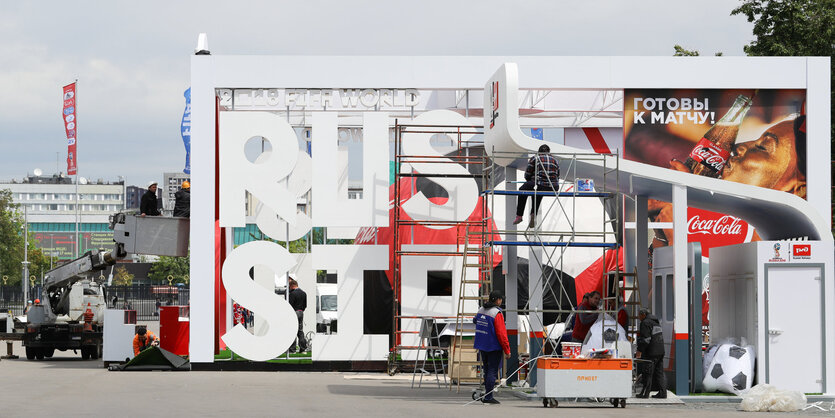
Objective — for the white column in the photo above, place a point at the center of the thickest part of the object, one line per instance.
(680, 259)
(818, 128)
(202, 271)
(641, 240)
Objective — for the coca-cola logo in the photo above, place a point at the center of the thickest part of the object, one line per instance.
(713, 229)
(724, 225)
(709, 154)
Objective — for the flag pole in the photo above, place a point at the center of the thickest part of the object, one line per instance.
(77, 177)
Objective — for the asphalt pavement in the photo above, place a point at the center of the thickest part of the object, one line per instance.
(68, 386)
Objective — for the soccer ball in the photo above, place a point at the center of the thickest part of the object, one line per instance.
(729, 368)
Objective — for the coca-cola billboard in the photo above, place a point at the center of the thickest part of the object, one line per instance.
(713, 229)
(751, 136)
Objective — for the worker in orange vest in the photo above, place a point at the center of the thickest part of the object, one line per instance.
(144, 339)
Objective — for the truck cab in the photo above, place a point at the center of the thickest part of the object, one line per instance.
(326, 308)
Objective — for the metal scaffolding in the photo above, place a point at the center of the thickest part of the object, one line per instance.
(467, 231)
(548, 248)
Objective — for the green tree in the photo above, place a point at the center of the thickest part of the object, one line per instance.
(122, 277)
(12, 243)
(680, 51)
(170, 266)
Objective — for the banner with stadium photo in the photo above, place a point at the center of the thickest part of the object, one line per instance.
(749, 136)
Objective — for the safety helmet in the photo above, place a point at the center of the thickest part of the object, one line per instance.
(186, 184)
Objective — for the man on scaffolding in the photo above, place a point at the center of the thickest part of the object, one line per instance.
(543, 172)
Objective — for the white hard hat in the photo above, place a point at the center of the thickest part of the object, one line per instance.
(151, 183)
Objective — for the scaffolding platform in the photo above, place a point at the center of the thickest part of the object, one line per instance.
(555, 244)
(547, 193)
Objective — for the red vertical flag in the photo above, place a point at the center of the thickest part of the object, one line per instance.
(70, 125)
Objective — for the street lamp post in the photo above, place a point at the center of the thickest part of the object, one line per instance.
(25, 278)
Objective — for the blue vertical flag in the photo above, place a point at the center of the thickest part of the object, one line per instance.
(185, 130)
(536, 133)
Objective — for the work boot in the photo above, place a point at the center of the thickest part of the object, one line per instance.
(532, 223)
(518, 220)
(660, 395)
(491, 401)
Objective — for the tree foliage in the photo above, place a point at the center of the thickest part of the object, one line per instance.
(681, 51)
(12, 243)
(122, 277)
(178, 267)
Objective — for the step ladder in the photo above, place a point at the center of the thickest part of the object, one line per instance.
(430, 344)
(475, 254)
(627, 285)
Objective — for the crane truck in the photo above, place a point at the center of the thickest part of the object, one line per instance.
(70, 316)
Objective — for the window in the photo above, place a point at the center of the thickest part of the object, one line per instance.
(439, 283)
(324, 276)
(376, 298)
(328, 303)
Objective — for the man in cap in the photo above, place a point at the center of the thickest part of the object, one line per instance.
(148, 205)
(182, 201)
(651, 348)
(491, 341)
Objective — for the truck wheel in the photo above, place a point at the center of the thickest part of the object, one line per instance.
(48, 352)
(95, 352)
(39, 353)
(30, 353)
(85, 353)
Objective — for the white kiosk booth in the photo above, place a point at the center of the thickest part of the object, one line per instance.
(776, 295)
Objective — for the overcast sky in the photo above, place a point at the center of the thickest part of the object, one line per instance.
(132, 58)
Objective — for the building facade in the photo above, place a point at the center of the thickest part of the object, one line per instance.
(171, 183)
(50, 207)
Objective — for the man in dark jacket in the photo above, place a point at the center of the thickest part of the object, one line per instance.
(585, 317)
(651, 348)
(543, 172)
(148, 205)
(298, 300)
(491, 341)
(182, 201)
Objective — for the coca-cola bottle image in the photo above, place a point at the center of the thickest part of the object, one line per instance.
(709, 156)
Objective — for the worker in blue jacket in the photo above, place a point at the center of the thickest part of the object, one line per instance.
(491, 341)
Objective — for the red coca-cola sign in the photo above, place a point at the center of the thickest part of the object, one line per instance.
(710, 154)
(713, 229)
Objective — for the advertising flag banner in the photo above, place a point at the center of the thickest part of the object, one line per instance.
(70, 126)
(185, 130)
(749, 136)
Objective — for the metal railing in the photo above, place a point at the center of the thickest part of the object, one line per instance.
(145, 299)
